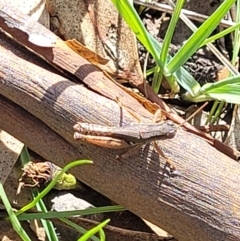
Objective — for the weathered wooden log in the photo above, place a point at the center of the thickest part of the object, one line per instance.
(200, 202)
(51, 48)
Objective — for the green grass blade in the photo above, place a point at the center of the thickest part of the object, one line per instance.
(48, 225)
(232, 80)
(171, 28)
(184, 78)
(236, 43)
(211, 113)
(198, 37)
(54, 214)
(102, 235)
(158, 75)
(187, 81)
(131, 17)
(25, 157)
(232, 98)
(12, 216)
(217, 113)
(222, 91)
(157, 80)
(221, 34)
(154, 47)
(94, 230)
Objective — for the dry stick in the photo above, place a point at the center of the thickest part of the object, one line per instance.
(195, 112)
(190, 14)
(115, 233)
(213, 128)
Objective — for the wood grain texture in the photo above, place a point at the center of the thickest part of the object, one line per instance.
(200, 202)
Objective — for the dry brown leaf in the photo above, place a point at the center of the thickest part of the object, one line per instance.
(90, 55)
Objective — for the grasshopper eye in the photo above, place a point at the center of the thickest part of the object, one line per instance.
(171, 133)
(170, 123)
(172, 129)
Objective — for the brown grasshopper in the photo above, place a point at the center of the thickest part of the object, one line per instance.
(122, 137)
(125, 136)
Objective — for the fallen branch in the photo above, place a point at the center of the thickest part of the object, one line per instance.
(200, 201)
(47, 45)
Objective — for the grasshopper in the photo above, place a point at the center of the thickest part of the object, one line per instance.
(134, 135)
(125, 136)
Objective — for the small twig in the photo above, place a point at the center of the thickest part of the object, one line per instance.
(190, 14)
(194, 113)
(213, 128)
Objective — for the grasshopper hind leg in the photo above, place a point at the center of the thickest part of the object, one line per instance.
(160, 152)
